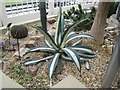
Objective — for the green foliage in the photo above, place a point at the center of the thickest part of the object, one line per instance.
(113, 8)
(79, 14)
(60, 47)
(19, 31)
(17, 71)
(2, 55)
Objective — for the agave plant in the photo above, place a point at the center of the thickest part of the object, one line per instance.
(60, 49)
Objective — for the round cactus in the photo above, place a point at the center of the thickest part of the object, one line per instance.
(19, 31)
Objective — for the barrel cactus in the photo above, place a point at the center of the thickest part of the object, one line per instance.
(19, 31)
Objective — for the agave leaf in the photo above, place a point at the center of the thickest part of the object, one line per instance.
(71, 33)
(73, 56)
(62, 23)
(59, 67)
(66, 58)
(89, 56)
(79, 36)
(31, 62)
(48, 37)
(77, 43)
(46, 49)
(85, 49)
(65, 35)
(48, 44)
(87, 65)
(59, 28)
(53, 64)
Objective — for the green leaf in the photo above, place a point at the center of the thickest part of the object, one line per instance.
(79, 36)
(62, 23)
(87, 65)
(77, 43)
(86, 49)
(48, 44)
(65, 35)
(71, 33)
(48, 37)
(58, 29)
(53, 64)
(46, 49)
(31, 62)
(86, 55)
(66, 58)
(73, 56)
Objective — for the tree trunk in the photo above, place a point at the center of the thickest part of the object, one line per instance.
(42, 7)
(113, 66)
(99, 24)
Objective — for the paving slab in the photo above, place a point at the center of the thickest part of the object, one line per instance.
(6, 82)
(70, 82)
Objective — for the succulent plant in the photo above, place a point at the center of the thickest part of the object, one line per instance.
(60, 49)
(79, 14)
(19, 31)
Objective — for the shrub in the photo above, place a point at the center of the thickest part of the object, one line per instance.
(78, 14)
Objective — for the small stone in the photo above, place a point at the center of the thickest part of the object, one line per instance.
(22, 52)
(33, 70)
(1, 65)
(4, 65)
(110, 47)
(107, 35)
(51, 32)
(53, 27)
(113, 33)
(109, 28)
(30, 44)
(38, 37)
(51, 21)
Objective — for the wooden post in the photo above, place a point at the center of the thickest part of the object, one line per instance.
(43, 13)
(113, 66)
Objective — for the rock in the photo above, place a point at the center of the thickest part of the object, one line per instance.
(51, 21)
(53, 27)
(112, 21)
(22, 52)
(51, 32)
(33, 70)
(110, 49)
(118, 84)
(1, 65)
(106, 35)
(113, 33)
(4, 65)
(31, 44)
(109, 28)
(37, 37)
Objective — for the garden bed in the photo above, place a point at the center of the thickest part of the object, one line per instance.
(92, 78)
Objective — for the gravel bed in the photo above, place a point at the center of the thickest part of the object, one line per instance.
(92, 78)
